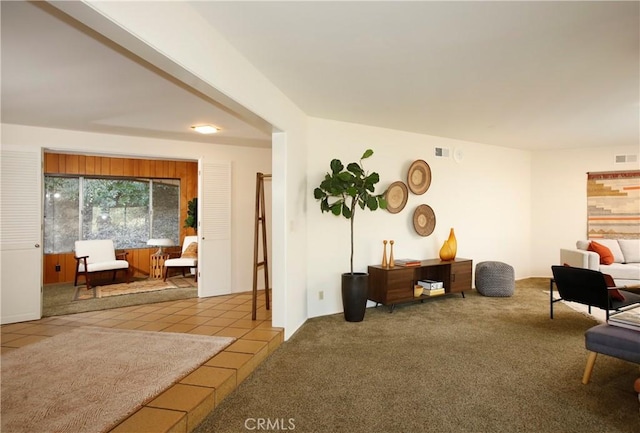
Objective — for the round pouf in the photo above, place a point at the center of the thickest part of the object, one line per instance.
(495, 279)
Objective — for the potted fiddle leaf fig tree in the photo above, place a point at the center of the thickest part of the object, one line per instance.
(342, 192)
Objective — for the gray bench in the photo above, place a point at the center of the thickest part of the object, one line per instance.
(610, 340)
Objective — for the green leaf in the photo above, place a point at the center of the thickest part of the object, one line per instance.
(382, 202)
(346, 177)
(346, 212)
(372, 203)
(318, 193)
(355, 169)
(367, 153)
(336, 166)
(336, 208)
(352, 191)
(324, 205)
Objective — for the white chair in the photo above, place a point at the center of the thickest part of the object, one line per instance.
(98, 256)
(188, 257)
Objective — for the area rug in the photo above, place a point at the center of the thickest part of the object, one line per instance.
(142, 286)
(90, 379)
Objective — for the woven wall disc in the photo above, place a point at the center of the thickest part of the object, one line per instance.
(396, 196)
(419, 177)
(424, 220)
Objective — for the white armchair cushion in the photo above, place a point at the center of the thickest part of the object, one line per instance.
(99, 250)
(101, 256)
(184, 261)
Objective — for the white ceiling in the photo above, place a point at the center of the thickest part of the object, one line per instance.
(528, 75)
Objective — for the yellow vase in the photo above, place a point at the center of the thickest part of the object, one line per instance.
(453, 244)
(445, 252)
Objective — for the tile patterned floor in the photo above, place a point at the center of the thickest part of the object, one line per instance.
(183, 406)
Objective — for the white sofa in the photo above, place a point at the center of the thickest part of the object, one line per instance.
(625, 268)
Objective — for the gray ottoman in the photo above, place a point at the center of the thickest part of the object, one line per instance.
(495, 279)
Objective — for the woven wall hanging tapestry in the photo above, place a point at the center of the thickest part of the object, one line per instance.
(613, 205)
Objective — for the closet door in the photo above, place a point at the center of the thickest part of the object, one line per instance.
(214, 231)
(20, 234)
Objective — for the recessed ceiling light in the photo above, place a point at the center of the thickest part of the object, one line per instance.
(205, 129)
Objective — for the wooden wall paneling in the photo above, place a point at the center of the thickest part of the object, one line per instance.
(117, 167)
(62, 164)
(82, 164)
(71, 162)
(50, 163)
(144, 265)
(105, 166)
(129, 167)
(145, 170)
(181, 169)
(171, 169)
(90, 165)
(50, 274)
(68, 266)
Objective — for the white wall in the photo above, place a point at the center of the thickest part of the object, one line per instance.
(245, 163)
(559, 198)
(172, 36)
(485, 197)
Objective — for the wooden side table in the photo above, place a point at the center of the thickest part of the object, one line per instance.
(157, 265)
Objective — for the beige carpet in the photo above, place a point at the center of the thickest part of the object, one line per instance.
(89, 379)
(448, 365)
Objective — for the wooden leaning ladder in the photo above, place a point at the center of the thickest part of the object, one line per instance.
(260, 223)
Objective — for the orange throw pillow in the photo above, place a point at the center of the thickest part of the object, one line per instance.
(191, 252)
(606, 256)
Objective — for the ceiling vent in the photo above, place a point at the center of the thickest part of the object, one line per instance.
(623, 159)
(442, 152)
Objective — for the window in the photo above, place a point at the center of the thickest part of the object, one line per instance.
(129, 211)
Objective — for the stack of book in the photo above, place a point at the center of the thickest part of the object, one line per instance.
(431, 287)
(627, 319)
(407, 262)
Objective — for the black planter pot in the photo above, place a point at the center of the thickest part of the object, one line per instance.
(355, 288)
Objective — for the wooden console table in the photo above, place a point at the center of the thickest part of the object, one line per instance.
(391, 286)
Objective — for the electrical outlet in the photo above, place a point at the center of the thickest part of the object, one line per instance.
(321, 295)
(57, 268)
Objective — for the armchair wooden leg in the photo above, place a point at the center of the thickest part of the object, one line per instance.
(589, 367)
(166, 271)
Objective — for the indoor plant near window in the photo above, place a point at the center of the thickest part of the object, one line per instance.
(341, 192)
(192, 215)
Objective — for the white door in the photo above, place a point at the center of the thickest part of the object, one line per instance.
(214, 228)
(20, 235)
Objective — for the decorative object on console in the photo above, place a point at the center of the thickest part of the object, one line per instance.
(445, 252)
(408, 262)
(424, 220)
(453, 243)
(392, 262)
(384, 255)
(396, 196)
(419, 177)
(348, 188)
